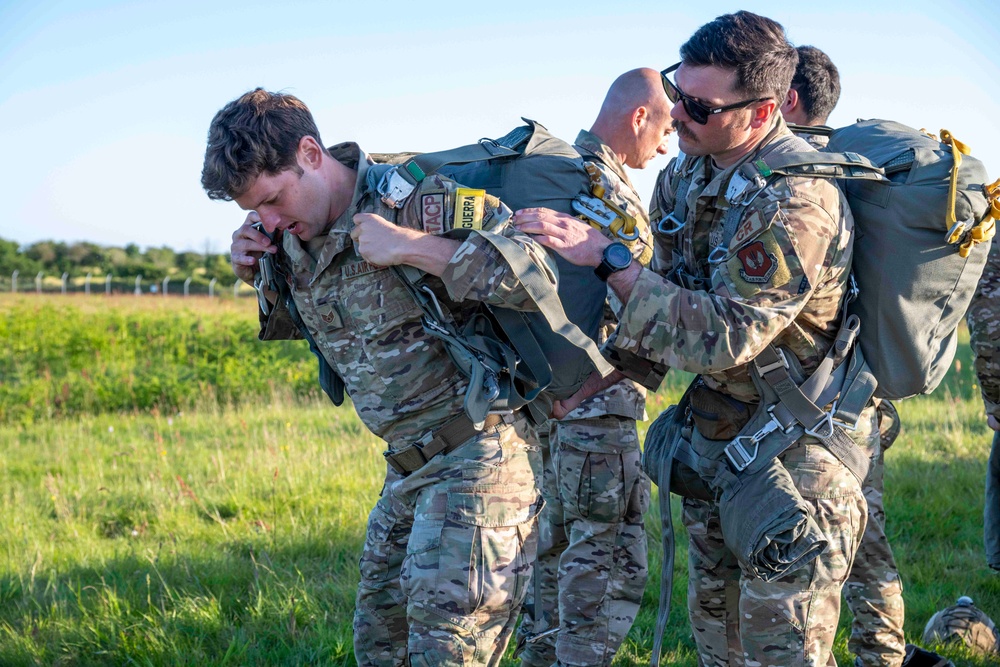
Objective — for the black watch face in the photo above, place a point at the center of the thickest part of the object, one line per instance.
(618, 256)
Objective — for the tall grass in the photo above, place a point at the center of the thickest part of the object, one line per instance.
(227, 532)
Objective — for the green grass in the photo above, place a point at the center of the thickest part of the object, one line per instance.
(228, 533)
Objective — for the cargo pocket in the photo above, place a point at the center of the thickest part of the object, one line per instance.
(592, 478)
(483, 557)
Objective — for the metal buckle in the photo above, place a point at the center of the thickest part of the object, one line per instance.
(594, 210)
(737, 453)
(718, 254)
(773, 366)
(669, 231)
(825, 423)
(394, 188)
(784, 429)
(841, 423)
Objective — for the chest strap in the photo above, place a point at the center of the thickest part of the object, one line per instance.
(446, 439)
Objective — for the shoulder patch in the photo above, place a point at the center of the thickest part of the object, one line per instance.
(758, 265)
(432, 212)
(469, 208)
(751, 226)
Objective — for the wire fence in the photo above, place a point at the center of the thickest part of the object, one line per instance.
(42, 283)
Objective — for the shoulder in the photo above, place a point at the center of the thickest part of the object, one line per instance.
(439, 205)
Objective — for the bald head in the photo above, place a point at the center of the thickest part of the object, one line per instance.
(634, 120)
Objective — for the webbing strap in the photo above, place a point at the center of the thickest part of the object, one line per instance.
(539, 289)
(429, 163)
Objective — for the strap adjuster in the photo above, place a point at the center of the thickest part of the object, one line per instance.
(782, 362)
(738, 451)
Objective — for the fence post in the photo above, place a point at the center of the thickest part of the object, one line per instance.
(211, 288)
(107, 285)
(65, 276)
(236, 288)
(86, 284)
(186, 283)
(165, 281)
(138, 285)
(13, 281)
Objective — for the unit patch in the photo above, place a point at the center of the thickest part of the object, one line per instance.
(432, 213)
(469, 208)
(758, 265)
(356, 269)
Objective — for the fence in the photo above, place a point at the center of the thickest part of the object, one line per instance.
(138, 286)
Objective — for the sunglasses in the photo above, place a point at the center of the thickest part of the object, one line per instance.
(699, 112)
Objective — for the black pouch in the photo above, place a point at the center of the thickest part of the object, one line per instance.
(717, 416)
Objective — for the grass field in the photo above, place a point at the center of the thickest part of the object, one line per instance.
(223, 531)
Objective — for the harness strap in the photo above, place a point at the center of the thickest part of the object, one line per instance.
(413, 456)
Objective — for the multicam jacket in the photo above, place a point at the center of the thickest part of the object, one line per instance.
(626, 398)
(368, 326)
(780, 279)
(984, 326)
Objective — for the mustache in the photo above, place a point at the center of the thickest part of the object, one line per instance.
(681, 129)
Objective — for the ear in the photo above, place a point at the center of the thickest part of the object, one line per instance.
(791, 101)
(639, 118)
(310, 153)
(763, 112)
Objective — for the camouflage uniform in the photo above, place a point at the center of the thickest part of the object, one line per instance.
(781, 282)
(448, 549)
(984, 327)
(873, 592)
(592, 566)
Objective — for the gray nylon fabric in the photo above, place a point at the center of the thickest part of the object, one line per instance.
(911, 302)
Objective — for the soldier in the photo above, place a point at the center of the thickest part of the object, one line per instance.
(984, 328)
(873, 592)
(777, 280)
(591, 568)
(449, 544)
(814, 93)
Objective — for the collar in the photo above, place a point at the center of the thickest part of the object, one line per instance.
(590, 143)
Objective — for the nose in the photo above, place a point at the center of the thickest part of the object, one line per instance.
(269, 219)
(678, 112)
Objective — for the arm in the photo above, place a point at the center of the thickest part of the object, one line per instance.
(984, 328)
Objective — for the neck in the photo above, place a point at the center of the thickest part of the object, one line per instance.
(730, 157)
(607, 135)
(342, 182)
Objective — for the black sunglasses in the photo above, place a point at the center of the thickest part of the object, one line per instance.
(699, 112)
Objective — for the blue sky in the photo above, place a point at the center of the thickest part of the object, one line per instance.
(104, 106)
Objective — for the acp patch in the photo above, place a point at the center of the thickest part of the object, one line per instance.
(469, 208)
(432, 213)
(758, 264)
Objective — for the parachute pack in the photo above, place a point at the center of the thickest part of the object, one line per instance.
(528, 167)
(921, 239)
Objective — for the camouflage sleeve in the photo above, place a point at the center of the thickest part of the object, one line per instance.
(783, 249)
(477, 271)
(984, 328)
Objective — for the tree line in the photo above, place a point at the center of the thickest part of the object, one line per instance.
(122, 264)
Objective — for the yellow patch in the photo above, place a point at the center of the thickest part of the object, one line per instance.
(758, 265)
(469, 208)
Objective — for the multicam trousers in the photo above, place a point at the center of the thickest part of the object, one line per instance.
(873, 592)
(448, 554)
(591, 568)
(790, 621)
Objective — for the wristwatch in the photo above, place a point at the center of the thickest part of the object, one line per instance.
(617, 257)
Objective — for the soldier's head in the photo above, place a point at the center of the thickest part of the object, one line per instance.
(634, 120)
(963, 623)
(265, 153)
(733, 75)
(815, 88)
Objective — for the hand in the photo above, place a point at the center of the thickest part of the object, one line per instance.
(379, 241)
(591, 386)
(248, 246)
(993, 422)
(575, 240)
